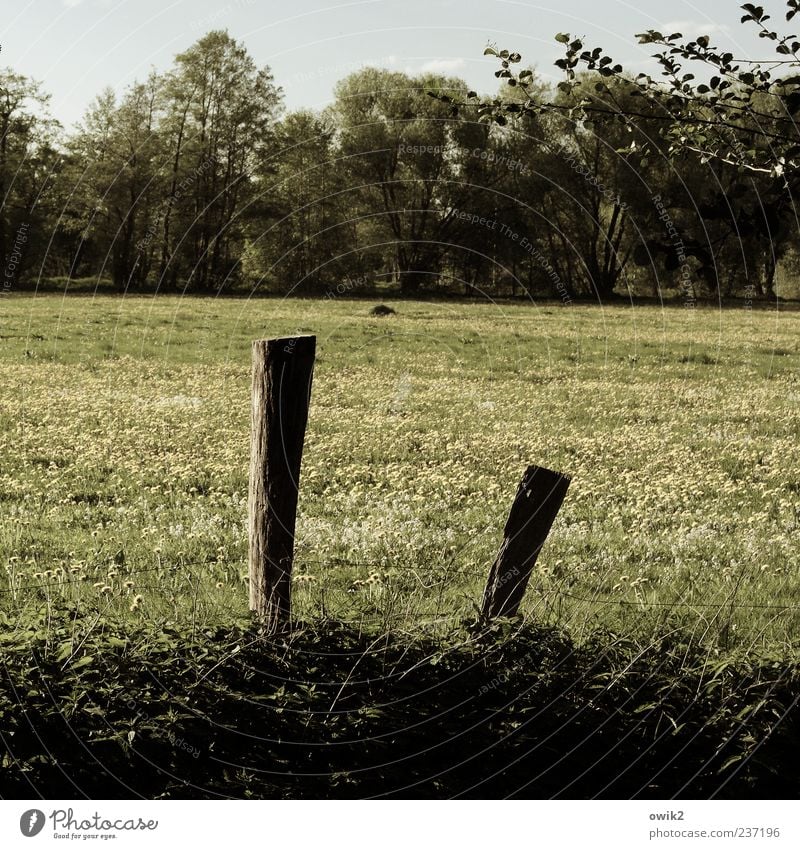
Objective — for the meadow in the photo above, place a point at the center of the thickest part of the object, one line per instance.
(125, 422)
(657, 653)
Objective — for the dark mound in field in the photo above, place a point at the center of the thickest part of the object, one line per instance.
(334, 712)
(382, 310)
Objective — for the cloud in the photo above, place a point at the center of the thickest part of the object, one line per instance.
(433, 66)
(693, 28)
(71, 4)
(442, 66)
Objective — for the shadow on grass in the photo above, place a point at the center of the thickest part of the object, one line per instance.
(333, 711)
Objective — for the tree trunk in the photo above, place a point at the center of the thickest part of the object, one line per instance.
(3, 200)
(769, 276)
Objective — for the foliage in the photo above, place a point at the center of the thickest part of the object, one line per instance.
(301, 225)
(155, 187)
(332, 711)
(739, 116)
(28, 162)
(189, 181)
(409, 160)
(742, 114)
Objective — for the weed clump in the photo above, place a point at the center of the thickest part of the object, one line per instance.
(381, 310)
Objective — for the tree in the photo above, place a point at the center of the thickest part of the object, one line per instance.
(28, 159)
(299, 226)
(741, 114)
(222, 110)
(113, 174)
(157, 186)
(407, 154)
(591, 189)
(568, 192)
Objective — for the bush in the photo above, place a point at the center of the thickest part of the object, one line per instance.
(332, 712)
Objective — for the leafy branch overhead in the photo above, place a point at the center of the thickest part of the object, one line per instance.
(735, 110)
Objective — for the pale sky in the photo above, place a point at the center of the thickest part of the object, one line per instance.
(76, 47)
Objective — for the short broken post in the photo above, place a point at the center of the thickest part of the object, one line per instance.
(282, 373)
(539, 497)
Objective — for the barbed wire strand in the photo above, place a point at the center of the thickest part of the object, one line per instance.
(603, 600)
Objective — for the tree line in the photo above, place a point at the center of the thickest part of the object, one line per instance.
(197, 180)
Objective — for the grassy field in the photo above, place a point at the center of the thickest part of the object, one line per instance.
(124, 425)
(658, 656)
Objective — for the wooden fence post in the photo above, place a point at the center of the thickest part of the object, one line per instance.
(282, 375)
(539, 497)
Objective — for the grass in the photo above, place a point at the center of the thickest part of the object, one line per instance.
(125, 443)
(334, 712)
(123, 485)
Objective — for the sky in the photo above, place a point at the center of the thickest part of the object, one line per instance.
(75, 48)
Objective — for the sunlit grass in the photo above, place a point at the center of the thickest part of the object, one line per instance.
(125, 437)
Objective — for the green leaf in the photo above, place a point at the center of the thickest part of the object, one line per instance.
(649, 37)
(730, 762)
(64, 651)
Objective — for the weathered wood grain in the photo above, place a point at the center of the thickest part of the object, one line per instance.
(281, 391)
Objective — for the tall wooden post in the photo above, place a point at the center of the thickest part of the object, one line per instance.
(533, 512)
(282, 375)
